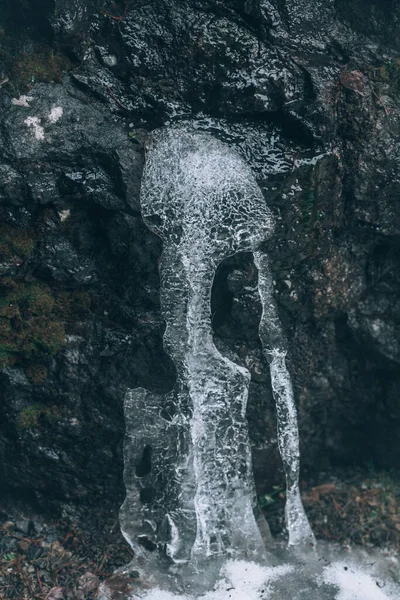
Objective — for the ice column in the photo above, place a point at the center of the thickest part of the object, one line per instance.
(274, 347)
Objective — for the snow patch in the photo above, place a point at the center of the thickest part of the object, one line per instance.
(353, 583)
(240, 580)
(352, 579)
(64, 214)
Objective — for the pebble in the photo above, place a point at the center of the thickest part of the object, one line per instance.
(24, 526)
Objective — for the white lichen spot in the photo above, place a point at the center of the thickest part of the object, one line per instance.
(110, 60)
(22, 101)
(376, 326)
(34, 123)
(55, 114)
(49, 453)
(299, 162)
(64, 214)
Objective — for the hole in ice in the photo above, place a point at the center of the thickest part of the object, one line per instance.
(222, 297)
(143, 467)
(147, 495)
(147, 543)
(235, 303)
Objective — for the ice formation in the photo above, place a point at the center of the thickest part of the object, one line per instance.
(274, 347)
(190, 512)
(332, 574)
(188, 474)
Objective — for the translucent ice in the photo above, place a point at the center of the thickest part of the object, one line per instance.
(333, 573)
(274, 347)
(188, 475)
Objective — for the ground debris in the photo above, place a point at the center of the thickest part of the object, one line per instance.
(55, 593)
(322, 490)
(61, 563)
(349, 507)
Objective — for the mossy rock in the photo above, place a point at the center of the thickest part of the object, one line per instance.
(43, 65)
(36, 373)
(16, 243)
(389, 74)
(32, 318)
(32, 315)
(29, 328)
(35, 415)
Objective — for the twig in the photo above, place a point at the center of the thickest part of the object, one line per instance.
(116, 99)
(326, 534)
(337, 506)
(29, 540)
(64, 566)
(387, 112)
(39, 581)
(101, 565)
(116, 17)
(6, 80)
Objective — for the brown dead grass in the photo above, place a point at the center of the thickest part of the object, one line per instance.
(355, 508)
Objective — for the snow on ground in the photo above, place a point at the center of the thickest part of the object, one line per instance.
(353, 584)
(353, 577)
(240, 580)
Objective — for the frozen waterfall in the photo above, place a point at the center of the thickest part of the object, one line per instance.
(190, 512)
(197, 499)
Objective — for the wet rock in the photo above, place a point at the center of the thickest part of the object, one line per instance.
(308, 93)
(24, 526)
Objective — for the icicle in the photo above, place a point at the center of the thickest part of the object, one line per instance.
(274, 347)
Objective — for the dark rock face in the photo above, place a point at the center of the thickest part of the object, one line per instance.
(308, 91)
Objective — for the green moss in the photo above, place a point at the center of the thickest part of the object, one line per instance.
(389, 73)
(30, 330)
(38, 300)
(41, 336)
(32, 318)
(33, 416)
(16, 243)
(36, 373)
(71, 305)
(42, 65)
(32, 315)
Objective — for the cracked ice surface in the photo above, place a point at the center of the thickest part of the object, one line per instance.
(190, 490)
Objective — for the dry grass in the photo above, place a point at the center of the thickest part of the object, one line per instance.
(40, 567)
(353, 508)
